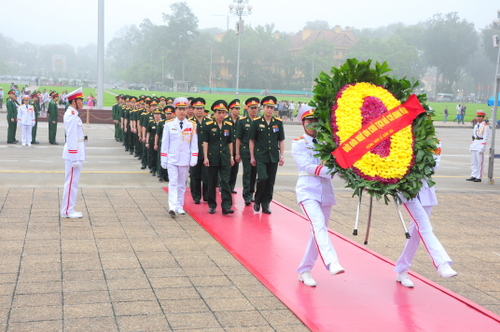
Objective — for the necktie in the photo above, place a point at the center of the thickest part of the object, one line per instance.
(180, 124)
(315, 141)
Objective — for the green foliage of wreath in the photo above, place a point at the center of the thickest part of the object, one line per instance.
(425, 141)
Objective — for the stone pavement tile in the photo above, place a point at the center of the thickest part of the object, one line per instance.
(120, 264)
(71, 275)
(38, 287)
(36, 300)
(49, 326)
(84, 285)
(86, 297)
(8, 278)
(278, 318)
(229, 304)
(88, 310)
(135, 307)
(179, 293)
(124, 273)
(184, 306)
(211, 281)
(143, 323)
(241, 318)
(253, 329)
(33, 314)
(192, 320)
(255, 290)
(78, 246)
(173, 281)
(219, 292)
(113, 246)
(123, 295)
(101, 324)
(242, 279)
(266, 303)
(137, 283)
(174, 271)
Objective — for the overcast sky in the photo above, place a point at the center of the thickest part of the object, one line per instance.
(75, 22)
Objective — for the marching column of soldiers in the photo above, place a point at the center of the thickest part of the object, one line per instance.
(224, 139)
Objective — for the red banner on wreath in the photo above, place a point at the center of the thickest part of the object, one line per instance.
(373, 133)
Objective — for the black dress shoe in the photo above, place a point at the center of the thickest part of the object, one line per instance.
(196, 201)
(143, 167)
(266, 210)
(126, 149)
(54, 143)
(211, 210)
(256, 207)
(16, 141)
(153, 173)
(470, 179)
(160, 180)
(12, 142)
(229, 211)
(476, 180)
(247, 203)
(35, 142)
(234, 192)
(131, 153)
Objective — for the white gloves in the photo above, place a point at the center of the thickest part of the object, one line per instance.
(75, 164)
(194, 161)
(164, 165)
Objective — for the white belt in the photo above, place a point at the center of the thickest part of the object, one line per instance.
(81, 140)
(304, 173)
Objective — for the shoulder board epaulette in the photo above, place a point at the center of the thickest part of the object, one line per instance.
(228, 123)
(242, 117)
(170, 120)
(298, 138)
(151, 121)
(279, 119)
(257, 118)
(209, 122)
(194, 122)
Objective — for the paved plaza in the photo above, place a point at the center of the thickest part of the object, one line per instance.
(127, 266)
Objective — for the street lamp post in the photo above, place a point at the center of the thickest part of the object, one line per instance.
(239, 9)
(491, 163)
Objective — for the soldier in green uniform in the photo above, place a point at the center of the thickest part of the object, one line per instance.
(135, 112)
(121, 114)
(53, 114)
(35, 101)
(218, 156)
(267, 148)
(198, 174)
(167, 115)
(234, 116)
(116, 117)
(243, 149)
(151, 129)
(12, 117)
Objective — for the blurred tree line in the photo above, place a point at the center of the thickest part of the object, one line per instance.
(457, 55)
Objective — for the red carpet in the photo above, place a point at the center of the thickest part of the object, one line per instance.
(365, 298)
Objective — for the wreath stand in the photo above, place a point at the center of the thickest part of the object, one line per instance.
(368, 224)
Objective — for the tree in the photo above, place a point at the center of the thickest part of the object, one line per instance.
(449, 43)
(317, 25)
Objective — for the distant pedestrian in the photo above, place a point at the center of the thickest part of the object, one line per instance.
(12, 117)
(462, 113)
(445, 114)
(90, 102)
(2, 94)
(458, 111)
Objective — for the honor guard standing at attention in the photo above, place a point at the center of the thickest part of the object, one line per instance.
(267, 149)
(480, 135)
(73, 153)
(198, 173)
(12, 117)
(151, 129)
(316, 197)
(234, 116)
(116, 117)
(26, 120)
(53, 114)
(179, 150)
(243, 149)
(218, 156)
(35, 101)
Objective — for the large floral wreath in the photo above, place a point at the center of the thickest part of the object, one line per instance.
(352, 97)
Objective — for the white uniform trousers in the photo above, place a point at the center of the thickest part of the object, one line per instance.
(477, 164)
(421, 228)
(319, 241)
(72, 176)
(177, 176)
(26, 134)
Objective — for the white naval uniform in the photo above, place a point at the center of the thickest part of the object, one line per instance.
(73, 151)
(477, 146)
(316, 197)
(179, 150)
(420, 228)
(26, 119)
